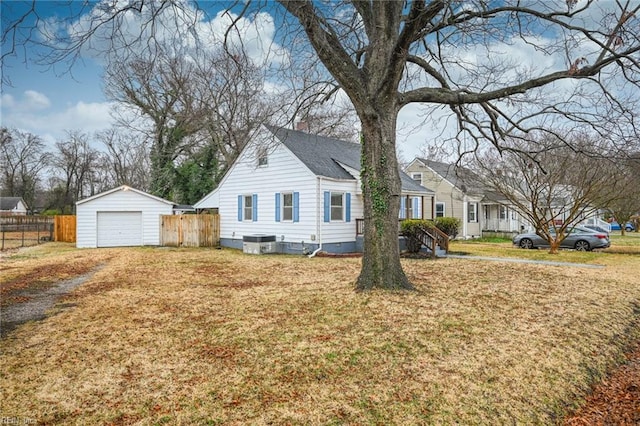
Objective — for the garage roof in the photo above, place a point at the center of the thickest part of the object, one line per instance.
(125, 188)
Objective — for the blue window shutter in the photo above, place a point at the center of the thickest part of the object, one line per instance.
(403, 207)
(296, 207)
(347, 215)
(255, 207)
(239, 208)
(277, 207)
(416, 213)
(327, 206)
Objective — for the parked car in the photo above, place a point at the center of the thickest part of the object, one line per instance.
(578, 238)
(615, 226)
(596, 228)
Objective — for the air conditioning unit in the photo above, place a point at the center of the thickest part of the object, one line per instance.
(259, 244)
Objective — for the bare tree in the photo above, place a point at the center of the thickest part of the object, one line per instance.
(555, 188)
(22, 161)
(445, 54)
(626, 206)
(160, 90)
(232, 88)
(125, 161)
(72, 166)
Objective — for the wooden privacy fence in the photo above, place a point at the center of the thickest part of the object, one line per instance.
(190, 230)
(64, 228)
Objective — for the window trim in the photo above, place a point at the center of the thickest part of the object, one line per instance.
(248, 197)
(505, 210)
(444, 208)
(331, 206)
(472, 207)
(414, 175)
(263, 158)
(284, 207)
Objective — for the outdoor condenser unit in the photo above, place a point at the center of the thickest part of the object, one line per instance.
(259, 244)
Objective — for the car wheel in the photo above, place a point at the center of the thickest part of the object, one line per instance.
(526, 243)
(582, 246)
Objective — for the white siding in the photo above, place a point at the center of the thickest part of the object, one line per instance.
(340, 231)
(120, 201)
(210, 201)
(283, 173)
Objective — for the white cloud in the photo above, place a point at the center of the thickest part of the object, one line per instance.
(8, 101)
(176, 27)
(35, 100)
(30, 101)
(42, 120)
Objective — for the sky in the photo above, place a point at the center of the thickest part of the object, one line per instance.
(46, 100)
(49, 100)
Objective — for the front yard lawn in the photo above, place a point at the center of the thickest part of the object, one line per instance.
(198, 336)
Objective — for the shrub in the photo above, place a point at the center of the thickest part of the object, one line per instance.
(410, 229)
(448, 225)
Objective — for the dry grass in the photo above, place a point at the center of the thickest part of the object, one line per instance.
(197, 336)
(628, 244)
(12, 240)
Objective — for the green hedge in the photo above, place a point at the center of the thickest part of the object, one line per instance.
(448, 225)
(410, 229)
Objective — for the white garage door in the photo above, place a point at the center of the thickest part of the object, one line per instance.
(119, 229)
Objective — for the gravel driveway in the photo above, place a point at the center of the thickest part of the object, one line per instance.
(38, 302)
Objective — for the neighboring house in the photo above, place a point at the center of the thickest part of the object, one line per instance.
(13, 206)
(122, 216)
(303, 189)
(460, 194)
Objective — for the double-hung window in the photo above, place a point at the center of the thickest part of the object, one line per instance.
(287, 207)
(503, 213)
(263, 158)
(337, 206)
(440, 210)
(248, 207)
(472, 212)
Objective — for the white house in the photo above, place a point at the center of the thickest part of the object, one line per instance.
(120, 217)
(13, 206)
(302, 189)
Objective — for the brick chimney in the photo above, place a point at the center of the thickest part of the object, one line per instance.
(302, 126)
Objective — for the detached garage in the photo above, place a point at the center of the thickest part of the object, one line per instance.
(121, 217)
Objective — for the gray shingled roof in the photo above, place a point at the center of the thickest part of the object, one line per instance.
(461, 177)
(9, 203)
(324, 156)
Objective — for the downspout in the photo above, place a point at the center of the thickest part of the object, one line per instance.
(319, 216)
(464, 215)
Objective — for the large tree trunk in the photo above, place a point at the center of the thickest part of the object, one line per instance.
(381, 186)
